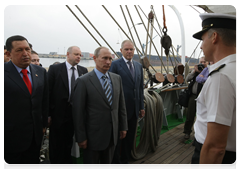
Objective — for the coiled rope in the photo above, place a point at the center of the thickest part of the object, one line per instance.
(152, 125)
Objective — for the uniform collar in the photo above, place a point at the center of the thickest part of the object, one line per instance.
(225, 60)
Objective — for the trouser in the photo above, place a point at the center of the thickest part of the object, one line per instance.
(229, 157)
(60, 143)
(95, 157)
(124, 147)
(191, 112)
(30, 156)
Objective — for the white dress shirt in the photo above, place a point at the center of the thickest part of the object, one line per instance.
(127, 63)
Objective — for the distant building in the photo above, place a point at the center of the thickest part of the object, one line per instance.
(53, 53)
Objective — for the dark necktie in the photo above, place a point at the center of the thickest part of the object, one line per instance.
(107, 89)
(131, 68)
(72, 83)
(26, 80)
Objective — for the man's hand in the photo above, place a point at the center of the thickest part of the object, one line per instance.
(83, 144)
(123, 134)
(142, 113)
(49, 121)
(44, 130)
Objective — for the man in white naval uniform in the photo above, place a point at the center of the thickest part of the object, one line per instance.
(215, 126)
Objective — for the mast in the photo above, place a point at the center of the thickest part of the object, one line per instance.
(182, 32)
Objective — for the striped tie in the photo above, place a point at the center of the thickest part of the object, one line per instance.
(107, 89)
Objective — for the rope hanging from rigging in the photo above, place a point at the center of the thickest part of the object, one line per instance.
(166, 41)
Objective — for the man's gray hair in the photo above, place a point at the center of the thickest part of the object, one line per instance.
(125, 42)
(228, 35)
(97, 51)
(69, 50)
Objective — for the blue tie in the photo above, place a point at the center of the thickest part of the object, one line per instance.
(107, 89)
(131, 69)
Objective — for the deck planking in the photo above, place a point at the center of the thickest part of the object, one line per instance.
(172, 149)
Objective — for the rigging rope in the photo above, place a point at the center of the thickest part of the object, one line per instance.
(150, 132)
(164, 19)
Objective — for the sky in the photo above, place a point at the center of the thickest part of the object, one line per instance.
(53, 28)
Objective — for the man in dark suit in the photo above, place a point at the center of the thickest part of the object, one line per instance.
(99, 110)
(61, 79)
(25, 104)
(131, 73)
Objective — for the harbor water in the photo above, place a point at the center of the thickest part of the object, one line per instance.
(46, 62)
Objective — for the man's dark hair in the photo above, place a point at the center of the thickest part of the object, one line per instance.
(30, 45)
(5, 47)
(34, 52)
(14, 38)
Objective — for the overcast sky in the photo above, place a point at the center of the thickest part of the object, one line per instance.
(53, 28)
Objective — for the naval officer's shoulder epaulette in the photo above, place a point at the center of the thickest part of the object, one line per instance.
(217, 69)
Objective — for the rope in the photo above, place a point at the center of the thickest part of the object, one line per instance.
(150, 132)
(149, 36)
(164, 19)
(83, 25)
(130, 29)
(120, 27)
(97, 31)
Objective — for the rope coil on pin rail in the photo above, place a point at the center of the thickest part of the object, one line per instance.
(151, 130)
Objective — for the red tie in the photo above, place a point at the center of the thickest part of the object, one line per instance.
(26, 80)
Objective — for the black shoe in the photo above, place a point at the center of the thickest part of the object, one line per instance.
(186, 136)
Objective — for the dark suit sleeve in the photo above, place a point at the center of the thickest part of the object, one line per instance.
(51, 78)
(141, 90)
(78, 110)
(45, 101)
(122, 113)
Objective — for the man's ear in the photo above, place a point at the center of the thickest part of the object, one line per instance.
(215, 38)
(8, 54)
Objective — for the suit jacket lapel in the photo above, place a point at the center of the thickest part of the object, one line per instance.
(125, 68)
(135, 70)
(35, 79)
(96, 83)
(15, 77)
(114, 85)
(64, 75)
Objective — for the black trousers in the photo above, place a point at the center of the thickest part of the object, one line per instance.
(30, 156)
(99, 157)
(60, 143)
(191, 113)
(122, 153)
(229, 157)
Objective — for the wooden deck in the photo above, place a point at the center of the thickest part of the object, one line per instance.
(172, 149)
